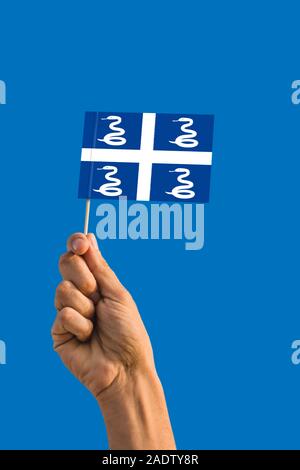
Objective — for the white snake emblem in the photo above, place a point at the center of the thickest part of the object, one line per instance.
(182, 191)
(110, 189)
(115, 137)
(186, 139)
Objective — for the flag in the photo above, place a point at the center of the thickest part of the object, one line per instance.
(146, 156)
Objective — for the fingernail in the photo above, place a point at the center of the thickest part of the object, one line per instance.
(76, 244)
(94, 241)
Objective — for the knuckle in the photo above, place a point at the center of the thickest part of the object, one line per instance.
(86, 331)
(66, 315)
(64, 288)
(88, 286)
(75, 260)
(63, 260)
(88, 328)
(88, 309)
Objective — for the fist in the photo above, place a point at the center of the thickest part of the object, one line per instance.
(98, 331)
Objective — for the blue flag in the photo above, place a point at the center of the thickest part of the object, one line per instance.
(146, 156)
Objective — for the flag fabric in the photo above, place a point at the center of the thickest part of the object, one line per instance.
(146, 156)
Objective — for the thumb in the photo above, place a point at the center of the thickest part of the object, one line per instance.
(78, 243)
(87, 247)
(108, 283)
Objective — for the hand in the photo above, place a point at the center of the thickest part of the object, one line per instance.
(100, 337)
(98, 331)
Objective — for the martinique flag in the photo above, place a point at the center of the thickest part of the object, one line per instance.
(146, 156)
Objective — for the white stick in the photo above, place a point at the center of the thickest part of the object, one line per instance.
(87, 216)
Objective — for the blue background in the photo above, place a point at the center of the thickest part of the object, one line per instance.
(221, 319)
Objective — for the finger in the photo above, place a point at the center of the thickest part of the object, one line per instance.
(73, 268)
(109, 284)
(59, 334)
(67, 295)
(70, 321)
(78, 243)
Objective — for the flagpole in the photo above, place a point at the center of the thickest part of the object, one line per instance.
(87, 216)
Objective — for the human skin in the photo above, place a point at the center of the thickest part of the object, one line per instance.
(100, 337)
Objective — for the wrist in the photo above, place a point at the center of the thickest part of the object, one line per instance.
(135, 412)
(124, 384)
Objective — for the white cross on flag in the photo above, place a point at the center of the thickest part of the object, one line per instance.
(146, 156)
